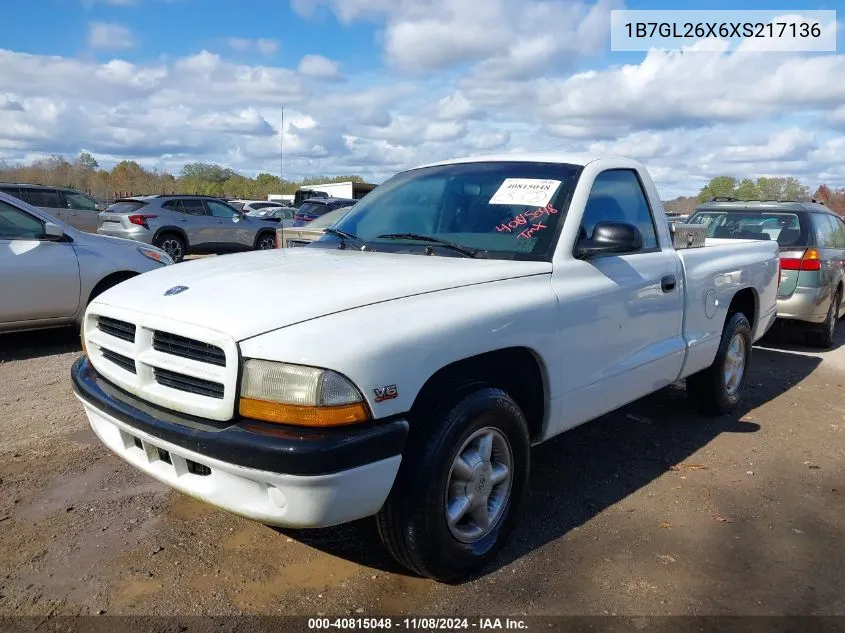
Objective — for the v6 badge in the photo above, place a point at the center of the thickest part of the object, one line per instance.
(386, 393)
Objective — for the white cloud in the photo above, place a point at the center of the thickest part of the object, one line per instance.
(319, 67)
(267, 46)
(263, 45)
(505, 37)
(688, 116)
(109, 36)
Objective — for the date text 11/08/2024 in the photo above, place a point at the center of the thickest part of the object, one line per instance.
(417, 624)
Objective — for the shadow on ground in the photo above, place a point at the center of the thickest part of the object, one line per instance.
(578, 474)
(39, 343)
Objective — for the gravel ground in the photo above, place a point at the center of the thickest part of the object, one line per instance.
(652, 510)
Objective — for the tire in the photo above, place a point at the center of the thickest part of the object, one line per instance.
(714, 390)
(413, 522)
(265, 241)
(823, 337)
(171, 244)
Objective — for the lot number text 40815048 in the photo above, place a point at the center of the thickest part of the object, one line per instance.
(418, 624)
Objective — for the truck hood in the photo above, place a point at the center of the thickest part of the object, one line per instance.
(252, 293)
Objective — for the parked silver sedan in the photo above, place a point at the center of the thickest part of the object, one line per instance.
(50, 271)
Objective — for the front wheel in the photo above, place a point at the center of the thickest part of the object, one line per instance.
(455, 502)
(265, 241)
(718, 388)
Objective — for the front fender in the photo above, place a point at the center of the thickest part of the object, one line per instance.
(404, 342)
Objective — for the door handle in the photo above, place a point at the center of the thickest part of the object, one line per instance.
(668, 283)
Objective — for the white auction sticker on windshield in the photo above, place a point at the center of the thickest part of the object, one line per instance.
(528, 191)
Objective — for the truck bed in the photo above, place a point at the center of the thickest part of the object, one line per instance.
(713, 274)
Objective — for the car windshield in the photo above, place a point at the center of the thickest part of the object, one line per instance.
(784, 228)
(510, 210)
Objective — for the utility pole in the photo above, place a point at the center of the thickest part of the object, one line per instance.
(282, 154)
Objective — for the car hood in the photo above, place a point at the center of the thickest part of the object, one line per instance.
(253, 293)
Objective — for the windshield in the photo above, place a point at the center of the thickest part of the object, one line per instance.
(784, 228)
(511, 210)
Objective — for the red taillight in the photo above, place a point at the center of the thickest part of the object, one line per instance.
(801, 260)
(140, 219)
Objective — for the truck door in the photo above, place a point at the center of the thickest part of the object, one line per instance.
(621, 315)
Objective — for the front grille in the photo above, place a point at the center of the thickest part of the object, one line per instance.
(188, 348)
(116, 328)
(181, 382)
(119, 359)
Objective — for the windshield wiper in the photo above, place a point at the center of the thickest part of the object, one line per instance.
(347, 237)
(463, 250)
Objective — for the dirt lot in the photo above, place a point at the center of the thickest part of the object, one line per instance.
(651, 510)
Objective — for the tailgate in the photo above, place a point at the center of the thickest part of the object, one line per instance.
(118, 212)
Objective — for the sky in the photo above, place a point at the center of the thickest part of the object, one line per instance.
(372, 87)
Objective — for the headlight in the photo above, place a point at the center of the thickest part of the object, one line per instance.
(156, 255)
(295, 394)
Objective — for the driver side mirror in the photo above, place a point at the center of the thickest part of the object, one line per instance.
(609, 237)
(53, 232)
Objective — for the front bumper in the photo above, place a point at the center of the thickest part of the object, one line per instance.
(805, 304)
(279, 475)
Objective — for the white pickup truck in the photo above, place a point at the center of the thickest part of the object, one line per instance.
(403, 365)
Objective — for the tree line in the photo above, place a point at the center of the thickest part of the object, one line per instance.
(128, 178)
(761, 189)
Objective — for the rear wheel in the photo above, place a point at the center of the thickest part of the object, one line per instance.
(718, 389)
(171, 244)
(455, 501)
(823, 337)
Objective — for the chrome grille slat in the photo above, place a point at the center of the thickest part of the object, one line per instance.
(119, 359)
(188, 348)
(190, 384)
(116, 328)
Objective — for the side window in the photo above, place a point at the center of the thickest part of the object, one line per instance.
(192, 206)
(173, 205)
(838, 231)
(78, 201)
(18, 225)
(824, 231)
(220, 210)
(48, 198)
(618, 196)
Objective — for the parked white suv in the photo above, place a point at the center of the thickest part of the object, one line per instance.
(403, 365)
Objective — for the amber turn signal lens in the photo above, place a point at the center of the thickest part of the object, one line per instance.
(303, 415)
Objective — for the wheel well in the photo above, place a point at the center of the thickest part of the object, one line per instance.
(172, 229)
(515, 370)
(108, 281)
(744, 301)
(262, 232)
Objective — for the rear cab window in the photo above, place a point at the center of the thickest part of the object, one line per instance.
(786, 228)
